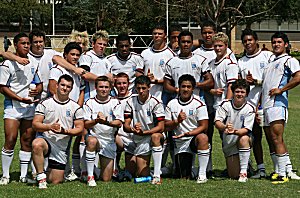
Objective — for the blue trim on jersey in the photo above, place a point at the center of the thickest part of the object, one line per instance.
(8, 103)
(282, 100)
(87, 92)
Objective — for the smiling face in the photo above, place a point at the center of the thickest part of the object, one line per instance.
(37, 45)
(279, 47)
(250, 44)
(122, 85)
(239, 96)
(103, 89)
(73, 56)
(64, 88)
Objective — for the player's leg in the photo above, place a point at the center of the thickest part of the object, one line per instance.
(210, 132)
(92, 144)
(56, 176)
(120, 149)
(11, 127)
(267, 131)
(143, 165)
(130, 163)
(233, 166)
(244, 155)
(106, 165)
(183, 165)
(157, 151)
(201, 141)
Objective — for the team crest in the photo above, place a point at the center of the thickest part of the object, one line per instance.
(161, 62)
(68, 113)
(191, 112)
(194, 65)
(133, 68)
(242, 118)
(262, 65)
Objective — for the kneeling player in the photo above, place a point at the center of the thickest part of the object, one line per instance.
(54, 119)
(188, 118)
(103, 115)
(235, 119)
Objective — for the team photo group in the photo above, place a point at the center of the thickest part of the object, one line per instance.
(77, 111)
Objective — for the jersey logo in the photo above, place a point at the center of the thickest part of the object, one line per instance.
(32, 70)
(191, 112)
(194, 66)
(148, 113)
(242, 118)
(161, 62)
(262, 65)
(68, 113)
(133, 68)
(276, 66)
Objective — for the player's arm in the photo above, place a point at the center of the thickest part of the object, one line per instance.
(126, 126)
(5, 90)
(52, 86)
(241, 132)
(37, 90)
(229, 93)
(11, 56)
(208, 82)
(202, 128)
(77, 130)
(220, 125)
(171, 124)
(81, 98)
(290, 85)
(169, 87)
(39, 126)
(159, 128)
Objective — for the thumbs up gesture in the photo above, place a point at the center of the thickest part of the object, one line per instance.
(249, 78)
(182, 116)
(150, 75)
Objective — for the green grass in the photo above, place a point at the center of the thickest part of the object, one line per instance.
(218, 187)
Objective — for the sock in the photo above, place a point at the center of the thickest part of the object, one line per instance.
(261, 167)
(76, 162)
(90, 162)
(46, 164)
(115, 169)
(209, 165)
(203, 158)
(41, 176)
(24, 162)
(275, 162)
(157, 157)
(97, 161)
(244, 155)
(33, 170)
(68, 168)
(7, 157)
(289, 166)
(281, 164)
(165, 152)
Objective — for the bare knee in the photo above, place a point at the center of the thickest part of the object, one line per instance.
(156, 139)
(244, 141)
(91, 143)
(38, 146)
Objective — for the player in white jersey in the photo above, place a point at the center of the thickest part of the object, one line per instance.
(144, 117)
(281, 75)
(252, 66)
(187, 117)
(224, 70)
(187, 63)
(234, 118)
(103, 116)
(125, 61)
(155, 59)
(56, 120)
(15, 80)
(72, 52)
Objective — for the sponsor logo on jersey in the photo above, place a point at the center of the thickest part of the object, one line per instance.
(68, 113)
(161, 62)
(191, 112)
(242, 118)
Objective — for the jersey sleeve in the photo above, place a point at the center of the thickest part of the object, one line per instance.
(40, 109)
(4, 74)
(87, 112)
(220, 114)
(205, 66)
(159, 112)
(118, 113)
(78, 115)
(168, 74)
(201, 113)
(128, 110)
(140, 64)
(85, 60)
(249, 120)
(293, 64)
(168, 113)
(232, 72)
(55, 73)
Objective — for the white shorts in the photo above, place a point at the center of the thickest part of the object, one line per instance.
(55, 153)
(107, 149)
(183, 145)
(230, 144)
(26, 113)
(275, 113)
(142, 145)
(129, 145)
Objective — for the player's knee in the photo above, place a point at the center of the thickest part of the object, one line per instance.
(10, 143)
(37, 146)
(244, 140)
(91, 142)
(156, 138)
(202, 138)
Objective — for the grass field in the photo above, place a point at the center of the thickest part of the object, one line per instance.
(218, 187)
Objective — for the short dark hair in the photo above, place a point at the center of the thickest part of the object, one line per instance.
(122, 37)
(209, 23)
(185, 33)
(122, 75)
(103, 78)
(37, 33)
(175, 28)
(72, 45)
(187, 77)
(18, 36)
(249, 32)
(280, 35)
(242, 84)
(160, 26)
(142, 80)
(66, 77)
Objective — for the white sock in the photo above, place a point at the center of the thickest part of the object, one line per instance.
(281, 164)
(24, 162)
(203, 158)
(275, 162)
(76, 162)
(157, 157)
(46, 164)
(7, 157)
(33, 170)
(261, 167)
(244, 155)
(209, 165)
(90, 162)
(41, 176)
(97, 161)
(289, 166)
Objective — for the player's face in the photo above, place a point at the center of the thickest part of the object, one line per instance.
(22, 47)
(122, 85)
(174, 37)
(250, 44)
(37, 45)
(239, 95)
(143, 91)
(186, 45)
(279, 47)
(158, 36)
(186, 90)
(124, 48)
(103, 89)
(64, 87)
(207, 34)
(99, 46)
(73, 56)
(220, 48)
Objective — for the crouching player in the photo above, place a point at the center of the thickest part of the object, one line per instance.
(103, 115)
(54, 120)
(144, 117)
(235, 119)
(188, 118)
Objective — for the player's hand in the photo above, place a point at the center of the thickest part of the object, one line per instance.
(217, 92)
(23, 61)
(257, 118)
(151, 76)
(274, 92)
(55, 127)
(249, 78)
(229, 128)
(175, 45)
(178, 136)
(33, 92)
(29, 100)
(182, 116)
(101, 118)
(138, 128)
(79, 71)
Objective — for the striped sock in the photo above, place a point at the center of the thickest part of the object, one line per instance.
(7, 157)
(157, 157)
(203, 158)
(90, 161)
(24, 162)
(244, 155)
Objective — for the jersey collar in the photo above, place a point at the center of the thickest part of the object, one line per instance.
(102, 102)
(35, 55)
(187, 102)
(253, 55)
(157, 51)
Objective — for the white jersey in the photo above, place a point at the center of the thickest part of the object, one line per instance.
(276, 75)
(123, 101)
(155, 61)
(18, 78)
(99, 66)
(224, 71)
(65, 113)
(255, 64)
(57, 71)
(45, 64)
(110, 108)
(128, 66)
(195, 65)
(148, 113)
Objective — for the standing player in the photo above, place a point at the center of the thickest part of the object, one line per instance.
(125, 61)
(187, 116)
(276, 82)
(15, 80)
(234, 118)
(56, 119)
(103, 115)
(144, 117)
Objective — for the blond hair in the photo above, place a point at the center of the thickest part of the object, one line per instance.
(220, 36)
(101, 34)
(83, 35)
